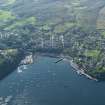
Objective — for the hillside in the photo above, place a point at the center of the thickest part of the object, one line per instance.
(88, 13)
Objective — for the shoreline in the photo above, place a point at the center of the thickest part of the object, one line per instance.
(77, 69)
(67, 58)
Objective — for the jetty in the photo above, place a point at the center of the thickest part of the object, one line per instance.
(59, 60)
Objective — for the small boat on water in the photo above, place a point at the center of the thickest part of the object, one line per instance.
(24, 67)
(19, 70)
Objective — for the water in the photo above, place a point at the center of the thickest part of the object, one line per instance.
(47, 83)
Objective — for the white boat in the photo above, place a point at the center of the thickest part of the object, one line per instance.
(19, 70)
(24, 67)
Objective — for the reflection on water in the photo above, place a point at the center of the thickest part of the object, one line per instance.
(48, 83)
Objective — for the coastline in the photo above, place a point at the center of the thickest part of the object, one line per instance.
(79, 71)
(76, 67)
(69, 59)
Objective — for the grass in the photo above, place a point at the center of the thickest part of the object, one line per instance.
(11, 52)
(6, 15)
(1, 60)
(100, 24)
(101, 70)
(103, 34)
(92, 53)
(98, 70)
(23, 22)
(10, 1)
(63, 27)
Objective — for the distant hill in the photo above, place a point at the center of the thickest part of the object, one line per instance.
(87, 13)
